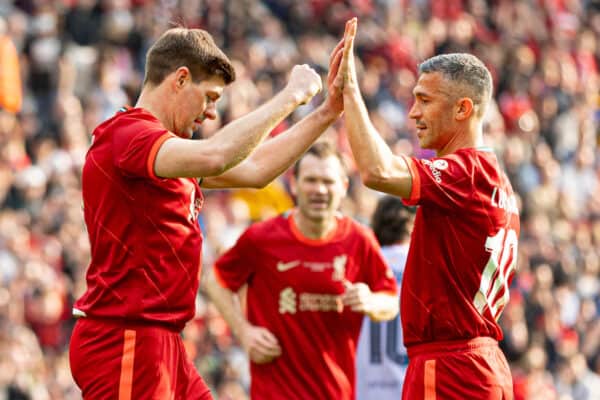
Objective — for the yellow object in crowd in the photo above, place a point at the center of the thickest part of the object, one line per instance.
(11, 91)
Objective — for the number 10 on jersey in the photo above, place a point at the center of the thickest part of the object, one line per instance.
(493, 288)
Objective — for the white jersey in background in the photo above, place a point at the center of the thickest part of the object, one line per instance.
(381, 358)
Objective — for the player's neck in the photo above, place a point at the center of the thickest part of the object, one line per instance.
(153, 100)
(314, 229)
(470, 137)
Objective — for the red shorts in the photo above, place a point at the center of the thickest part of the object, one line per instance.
(471, 369)
(117, 361)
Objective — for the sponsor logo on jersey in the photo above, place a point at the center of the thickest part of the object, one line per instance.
(339, 267)
(287, 301)
(320, 302)
(435, 171)
(194, 206)
(440, 164)
(284, 266)
(338, 264)
(290, 302)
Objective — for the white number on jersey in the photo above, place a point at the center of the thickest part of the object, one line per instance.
(503, 258)
(389, 345)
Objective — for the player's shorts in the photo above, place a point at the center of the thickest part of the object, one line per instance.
(473, 369)
(117, 361)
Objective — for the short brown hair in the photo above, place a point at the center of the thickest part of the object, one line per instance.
(321, 150)
(193, 48)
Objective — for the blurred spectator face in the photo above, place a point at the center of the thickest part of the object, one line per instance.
(4, 310)
(536, 358)
(551, 72)
(544, 276)
(525, 60)
(461, 30)
(32, 182)
(6, 180)
(320, 186)
(8, 122)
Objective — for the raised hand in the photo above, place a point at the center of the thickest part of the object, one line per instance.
(304, 83)
(260, 344)
(335, 99)
(346, 76)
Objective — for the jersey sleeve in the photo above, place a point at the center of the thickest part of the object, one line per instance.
(377, 274)
(446, 182)
(235, 267)
(134, 151)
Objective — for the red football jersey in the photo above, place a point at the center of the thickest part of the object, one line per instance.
(294, 289)
(144, 235)
(463, 249)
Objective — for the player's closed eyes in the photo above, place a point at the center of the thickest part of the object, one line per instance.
(314, 180)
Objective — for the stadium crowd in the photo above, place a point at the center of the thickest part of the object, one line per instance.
(80, 60)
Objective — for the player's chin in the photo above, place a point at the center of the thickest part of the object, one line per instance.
(186, 133)
(320, 214)
(189, 132)
(424, 143)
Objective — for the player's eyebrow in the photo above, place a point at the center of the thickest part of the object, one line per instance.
(419, 92)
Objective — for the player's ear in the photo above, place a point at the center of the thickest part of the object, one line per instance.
(345, 184)
(182, 77)
(464, 108)
(293, 185)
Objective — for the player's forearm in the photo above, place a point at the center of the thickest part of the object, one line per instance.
(276, 155)
(227, 303)
(234, 142)
(384, 306)
(237, 139)
(372, 154)
(379, 168)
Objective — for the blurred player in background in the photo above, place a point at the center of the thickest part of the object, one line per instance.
(141, 203)
(463, 249)
(311, 276)
(381, 358)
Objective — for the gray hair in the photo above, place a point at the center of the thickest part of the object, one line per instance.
(466, 71)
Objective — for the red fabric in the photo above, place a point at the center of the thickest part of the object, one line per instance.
(446, 10)
(144, 235)
(294, 285)
(464, 241)
(474, 370)
(161, 368)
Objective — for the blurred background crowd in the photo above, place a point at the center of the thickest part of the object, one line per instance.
(80, 60)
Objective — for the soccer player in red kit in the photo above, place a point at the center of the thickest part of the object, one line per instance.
(141, 202)
(463, 249)
(311, 276)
